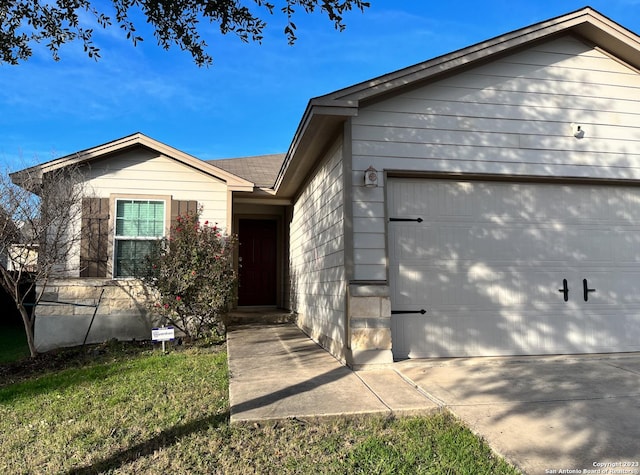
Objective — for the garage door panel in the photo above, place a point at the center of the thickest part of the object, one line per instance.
(444, 241)
(475, 286)
(625, 245)
(516, 202)
(483, 333)
(488, 260)
(619, 288)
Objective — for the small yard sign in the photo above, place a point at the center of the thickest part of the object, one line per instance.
(163, 334)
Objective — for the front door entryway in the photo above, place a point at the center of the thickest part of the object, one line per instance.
(257, 262)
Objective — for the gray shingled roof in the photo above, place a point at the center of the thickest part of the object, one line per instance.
(261, 170)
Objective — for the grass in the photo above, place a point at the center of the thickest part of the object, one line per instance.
(131, 409)
(13, 343)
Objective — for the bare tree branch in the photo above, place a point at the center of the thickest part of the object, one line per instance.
(39, 234)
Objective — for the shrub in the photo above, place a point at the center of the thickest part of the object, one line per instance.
(192, 274)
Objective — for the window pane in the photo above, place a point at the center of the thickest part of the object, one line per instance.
(138, 218)
(120, 213)
(130, 257)
(158, 219)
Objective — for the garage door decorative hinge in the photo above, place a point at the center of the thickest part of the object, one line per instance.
(418, 220)
(422, 311)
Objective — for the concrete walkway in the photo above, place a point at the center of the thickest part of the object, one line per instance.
(277, 372)
(555, 414)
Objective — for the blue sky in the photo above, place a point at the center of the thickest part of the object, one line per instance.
(251, 100)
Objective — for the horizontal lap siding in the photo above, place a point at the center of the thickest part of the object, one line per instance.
(317, 253)
(511, 116)
(146, 173)
(143, 172)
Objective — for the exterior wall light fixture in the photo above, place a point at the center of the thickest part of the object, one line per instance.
(371, 177)
(577, 130)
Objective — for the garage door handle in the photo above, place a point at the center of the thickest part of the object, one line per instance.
(565, 290)
(585, 287)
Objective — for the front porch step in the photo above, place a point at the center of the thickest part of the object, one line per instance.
(270, 316)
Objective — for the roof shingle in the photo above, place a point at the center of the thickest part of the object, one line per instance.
(261, 170)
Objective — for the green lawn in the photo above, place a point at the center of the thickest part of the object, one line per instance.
(13, 343)
(131, 409)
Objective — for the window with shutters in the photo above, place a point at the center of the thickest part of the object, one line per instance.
(138, 225)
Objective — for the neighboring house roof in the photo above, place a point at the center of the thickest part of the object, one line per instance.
(27, 231)
(234, 182)
(325, 115)
(11, 235)
(261, 170)
(8, 227)
(18, 251)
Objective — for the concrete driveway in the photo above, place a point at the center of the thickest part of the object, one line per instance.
(570, 414)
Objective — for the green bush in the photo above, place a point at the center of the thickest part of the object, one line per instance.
(193, 277)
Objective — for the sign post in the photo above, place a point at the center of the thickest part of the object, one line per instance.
(163, 334)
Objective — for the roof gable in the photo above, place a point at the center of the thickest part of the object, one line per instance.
(586, 23)
(233, 181)
(325, 115)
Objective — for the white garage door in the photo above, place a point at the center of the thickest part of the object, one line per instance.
(480, 268)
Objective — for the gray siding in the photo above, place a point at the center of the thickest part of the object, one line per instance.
(318, 282)
(512, 116)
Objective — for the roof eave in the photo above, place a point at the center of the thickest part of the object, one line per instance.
(323, 114)
(234, 182)
(321, 118)
(586, 22)
(249, 187)
(30, 179)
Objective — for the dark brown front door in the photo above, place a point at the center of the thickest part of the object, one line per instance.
(257, 263)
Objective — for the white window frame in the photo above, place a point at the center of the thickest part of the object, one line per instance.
(117, 238)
